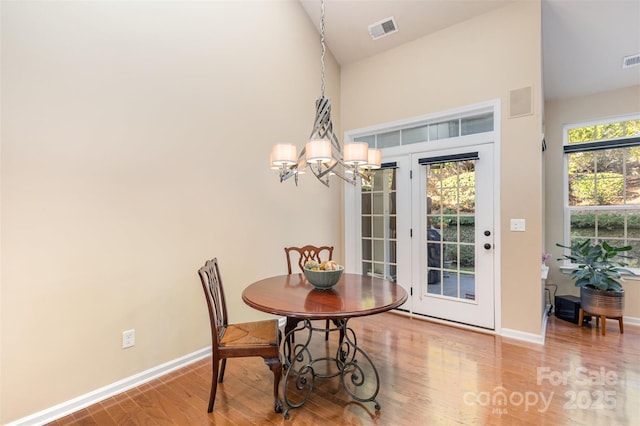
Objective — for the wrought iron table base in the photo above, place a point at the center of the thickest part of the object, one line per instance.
(349, 359)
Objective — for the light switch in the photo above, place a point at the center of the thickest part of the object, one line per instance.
(517, 225)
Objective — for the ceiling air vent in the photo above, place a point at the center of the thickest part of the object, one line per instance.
(383, 28)
(631, 61)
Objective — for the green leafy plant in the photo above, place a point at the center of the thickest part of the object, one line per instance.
(585, 189)
(597, 268)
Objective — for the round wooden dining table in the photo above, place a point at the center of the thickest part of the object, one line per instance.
(354, 296)
(293, 297)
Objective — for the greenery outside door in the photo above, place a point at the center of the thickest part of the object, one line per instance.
(453, 241)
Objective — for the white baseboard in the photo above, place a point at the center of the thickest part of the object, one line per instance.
(521, 335)
(530, 337)
(635, 321)
(58, 411)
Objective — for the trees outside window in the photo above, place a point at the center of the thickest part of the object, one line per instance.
(603, 184)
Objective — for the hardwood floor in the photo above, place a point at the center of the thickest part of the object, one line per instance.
(430, 374)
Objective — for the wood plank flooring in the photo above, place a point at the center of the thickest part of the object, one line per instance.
(430, 374)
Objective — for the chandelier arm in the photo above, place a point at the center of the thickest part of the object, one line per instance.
(321, 176)
(286, 174)
(345, 178)
(326, 170)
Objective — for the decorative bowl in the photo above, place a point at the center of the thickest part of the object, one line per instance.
(323, 280)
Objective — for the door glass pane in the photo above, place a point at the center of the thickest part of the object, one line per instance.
(451, 229)
(367, 250)
(392, 202)
(366, 268)
(378, 227)
(378, 203)
(366, 201)
(378, 251)
(467, 229)
(378, 223)
(366, 227)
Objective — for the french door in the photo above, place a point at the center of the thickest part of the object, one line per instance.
(452, 234)
(425, 221)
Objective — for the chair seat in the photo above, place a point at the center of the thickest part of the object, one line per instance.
(257, 333)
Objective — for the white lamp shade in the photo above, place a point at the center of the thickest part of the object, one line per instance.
(374, 159)
(284, 154)
(318, 151)
(356, 153)
(271, 163)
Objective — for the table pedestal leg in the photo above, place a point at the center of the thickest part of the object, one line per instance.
(358, 374)
(357, 371)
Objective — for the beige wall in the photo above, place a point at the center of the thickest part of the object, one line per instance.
(557, 114)
(121, 126)
(477, 61)
(135, 142)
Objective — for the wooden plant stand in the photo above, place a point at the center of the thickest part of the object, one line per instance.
(598, 318)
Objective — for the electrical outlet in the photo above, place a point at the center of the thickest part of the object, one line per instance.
(518, 225)
(128, 338)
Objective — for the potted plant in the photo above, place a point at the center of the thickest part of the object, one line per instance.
(599, 276)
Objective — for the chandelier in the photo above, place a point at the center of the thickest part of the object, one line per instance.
(322, 154)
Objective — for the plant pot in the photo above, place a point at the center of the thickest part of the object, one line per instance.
(602, 302)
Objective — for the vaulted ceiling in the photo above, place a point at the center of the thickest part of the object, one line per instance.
(583, 41)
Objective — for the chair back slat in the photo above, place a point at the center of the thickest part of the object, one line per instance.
(306, 253)
(214, 293)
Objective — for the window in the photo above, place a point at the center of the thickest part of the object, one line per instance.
(431, 131)
(602, 200)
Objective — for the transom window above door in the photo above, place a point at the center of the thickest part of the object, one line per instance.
(446, 129)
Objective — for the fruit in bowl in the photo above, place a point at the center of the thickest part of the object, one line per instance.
(327, 265)
(323, 275)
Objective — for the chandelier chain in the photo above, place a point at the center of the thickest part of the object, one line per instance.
(322, 44)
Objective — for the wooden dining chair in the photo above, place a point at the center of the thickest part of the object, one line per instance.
(307, 253)
(249, 339)
(302, 255)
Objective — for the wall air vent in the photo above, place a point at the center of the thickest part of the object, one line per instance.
(631, 61)
(383, 28)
